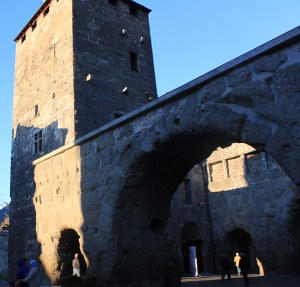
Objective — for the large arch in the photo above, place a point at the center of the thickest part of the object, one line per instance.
(132, 167)
(173, 145)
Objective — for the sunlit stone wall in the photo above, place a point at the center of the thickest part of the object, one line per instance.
(256, 196)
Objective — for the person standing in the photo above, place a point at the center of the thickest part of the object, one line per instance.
(236, 260)
(225, 265)
(33, 279)
(76, 266)
(21, 273)
(244, 266)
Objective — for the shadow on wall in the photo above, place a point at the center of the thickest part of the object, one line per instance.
(28, 144)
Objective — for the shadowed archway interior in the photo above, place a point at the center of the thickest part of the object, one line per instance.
(68, 246)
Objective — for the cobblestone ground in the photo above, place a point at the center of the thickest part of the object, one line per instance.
(255, 281)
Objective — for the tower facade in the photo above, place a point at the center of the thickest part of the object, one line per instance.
(79, 65)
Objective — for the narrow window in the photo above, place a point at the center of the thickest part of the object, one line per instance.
(112, 2)
(134, 61)
(38, 142)
(36, 110)
(33, 26)
(187, 190)
(118, 115)
(23, 38)
(133, 10)
(46, 11)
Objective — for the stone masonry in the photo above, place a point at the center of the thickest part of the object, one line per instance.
(4, 252)
(110, 188)
(77, 68)
(121, 219)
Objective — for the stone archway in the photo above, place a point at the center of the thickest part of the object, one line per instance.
(68, 246)
(159, 164)
(241, 241)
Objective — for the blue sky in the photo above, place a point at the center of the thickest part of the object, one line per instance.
(189, 38)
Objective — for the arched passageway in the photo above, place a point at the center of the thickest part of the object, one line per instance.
(148, 187)
(241, 241)
(68, 246)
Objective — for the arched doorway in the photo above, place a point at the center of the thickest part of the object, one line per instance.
(68, 246)
(191, 249)
(241, 241)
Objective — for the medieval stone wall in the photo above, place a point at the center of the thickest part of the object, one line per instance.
(251, 193)
(114, 71)
(121, 178)
(3, 252)
(189, 206)
(113, 187)
(73, 62)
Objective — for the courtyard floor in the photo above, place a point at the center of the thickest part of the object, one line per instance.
(236, 281)
(214, 281)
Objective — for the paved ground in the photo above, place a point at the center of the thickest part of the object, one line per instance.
(214, 281)
(255, 281)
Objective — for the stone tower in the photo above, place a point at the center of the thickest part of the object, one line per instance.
(79, 65)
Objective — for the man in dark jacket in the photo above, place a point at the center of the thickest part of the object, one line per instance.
(245, 266)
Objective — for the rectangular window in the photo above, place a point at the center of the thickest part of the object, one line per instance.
(187, 191)
(118, 115)
(134, 61)
(133, 10)
(38, 142)
(36, 110)
(112, 2)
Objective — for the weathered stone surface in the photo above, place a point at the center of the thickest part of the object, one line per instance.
(212, 90)
(269, 63)
(286, 81)
(111, 191)
(3, 252)
(249, 95)
(282, 146)
(239, 77)
(255, 133)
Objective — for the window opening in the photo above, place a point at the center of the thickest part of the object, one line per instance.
(36, 110)
(118, 115)
(187, 190)
(133, 10)
(33, 26)
(46, 11)
(38, 142)
(134, 61)
(112, 2)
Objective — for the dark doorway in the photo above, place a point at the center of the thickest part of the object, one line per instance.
(68, 246)
(190, 238)
(297, 233)
(241, 241)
